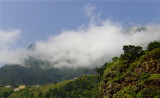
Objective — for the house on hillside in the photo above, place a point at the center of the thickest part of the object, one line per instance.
(16, 89)
(7, 86)
(37, 85)
(20, 87)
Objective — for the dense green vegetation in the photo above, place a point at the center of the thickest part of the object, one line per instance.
(5, 92)
(83, 87)
(153, 45)
(135, 74)
(17, 75)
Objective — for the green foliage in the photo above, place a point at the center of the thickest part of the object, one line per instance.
(84, 87)
(154, 77)
(17, 75)
(115, 59)
(149, 92)
(144, 75)
(131, 53)
(100, 70)
(121, 67)
(133, 75)
(127, 92)
(5, 92)
(154, 53)
(153, 45)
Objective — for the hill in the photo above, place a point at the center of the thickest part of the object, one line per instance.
(36, 71)
(137, 79)
(17, 75)
(83, 87)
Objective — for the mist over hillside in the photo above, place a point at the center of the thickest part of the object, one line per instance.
(134, 74)
(88, 45)
(35, 74)
(72, 49)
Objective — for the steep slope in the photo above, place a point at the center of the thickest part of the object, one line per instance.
(139, 79)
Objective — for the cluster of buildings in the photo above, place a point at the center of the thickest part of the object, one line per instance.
(16, 88)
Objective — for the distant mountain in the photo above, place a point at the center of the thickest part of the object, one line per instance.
(16, 74)
(36, 71)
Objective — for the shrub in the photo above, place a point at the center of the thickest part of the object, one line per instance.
(153, 45)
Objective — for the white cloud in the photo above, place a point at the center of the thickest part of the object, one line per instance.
(90, 46)
(93, 14)
(7, 40)
(95, 45)
(7, 37)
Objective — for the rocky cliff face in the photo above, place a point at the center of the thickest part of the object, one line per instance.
(140, 79)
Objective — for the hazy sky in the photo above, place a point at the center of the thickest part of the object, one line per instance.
(39, 19)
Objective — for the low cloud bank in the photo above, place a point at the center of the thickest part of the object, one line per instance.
(95, 45)
(88, 46)
(91, 46)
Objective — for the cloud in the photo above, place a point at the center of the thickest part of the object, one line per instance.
(7, 37)
(93, 14)
(90, 46)
(95, 45)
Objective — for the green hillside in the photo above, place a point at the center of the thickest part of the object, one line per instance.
(135, 74)
(83, 87)
(133, 78)
(17, 75)
(37, 71)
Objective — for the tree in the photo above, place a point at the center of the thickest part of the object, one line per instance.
(131, 52)
(114, 59)
(12, 84)
(153, 45)
(40, 94)
(100, 70)
(85, 71)
(47, 95)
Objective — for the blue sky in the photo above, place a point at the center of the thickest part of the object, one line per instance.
(37, 20)
(83, 32)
